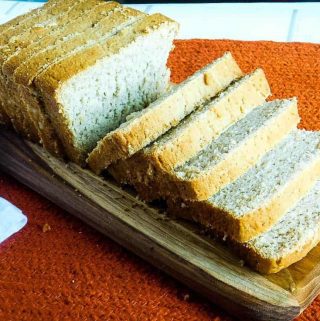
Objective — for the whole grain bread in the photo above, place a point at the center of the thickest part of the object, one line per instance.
(145, 126)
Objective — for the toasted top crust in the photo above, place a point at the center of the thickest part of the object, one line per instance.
(115, 19)
(34, 22)
(17, 21)
(66, 24)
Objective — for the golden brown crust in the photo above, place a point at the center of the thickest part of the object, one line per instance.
(50, 81)
(35, 108)
(21, 23)
(65, 25)
(164, 113)
(16, 114)
(16, 36)
(26, 72)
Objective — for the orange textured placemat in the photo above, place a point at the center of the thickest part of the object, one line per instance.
(71, 272)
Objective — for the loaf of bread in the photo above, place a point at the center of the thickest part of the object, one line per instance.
(88, 80)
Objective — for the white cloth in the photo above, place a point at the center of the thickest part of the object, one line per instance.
(11, 219)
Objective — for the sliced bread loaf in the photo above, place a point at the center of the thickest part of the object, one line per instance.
(228, 157)
(290, 239)
(145, 126)
(254, 202)
(91, 92)
(195, 132)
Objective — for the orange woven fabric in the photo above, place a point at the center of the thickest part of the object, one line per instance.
(57, 268)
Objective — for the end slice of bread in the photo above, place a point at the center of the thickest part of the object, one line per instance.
(91, 93)
(145, 126)
(228, 157)
(254, 202)
(290, 239)
(195, 132)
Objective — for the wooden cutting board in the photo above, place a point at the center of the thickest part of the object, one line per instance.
(176, 247)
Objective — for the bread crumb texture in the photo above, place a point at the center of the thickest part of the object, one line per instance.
(37, 268)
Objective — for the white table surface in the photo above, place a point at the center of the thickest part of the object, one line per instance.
(247, 21)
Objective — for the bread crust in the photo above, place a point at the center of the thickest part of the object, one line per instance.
(214, 121)
(69, 21)
(19, 35)
(164, 113)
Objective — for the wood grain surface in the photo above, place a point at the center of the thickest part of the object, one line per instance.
(176, 247)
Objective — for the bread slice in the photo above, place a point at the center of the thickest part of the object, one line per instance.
(228, 157)
(91, 92)
(254, 202)
(195, 132)
(145, 126)
(290, 239)
(85, 18)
